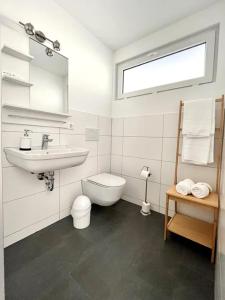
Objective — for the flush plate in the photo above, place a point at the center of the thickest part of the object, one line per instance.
(91, 134)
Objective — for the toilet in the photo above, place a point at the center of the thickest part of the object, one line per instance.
(103, 189)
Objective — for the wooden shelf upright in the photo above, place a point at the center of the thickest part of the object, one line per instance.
(194, 229)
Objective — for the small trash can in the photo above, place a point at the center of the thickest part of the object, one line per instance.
(81, 212)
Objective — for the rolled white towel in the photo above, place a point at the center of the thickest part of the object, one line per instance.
(184, 187)
(201, 190)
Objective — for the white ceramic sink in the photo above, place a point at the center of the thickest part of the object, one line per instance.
(39, 161)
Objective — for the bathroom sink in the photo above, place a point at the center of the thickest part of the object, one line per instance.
(39, 161)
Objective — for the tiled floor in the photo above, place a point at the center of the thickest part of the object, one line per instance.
(121, 256)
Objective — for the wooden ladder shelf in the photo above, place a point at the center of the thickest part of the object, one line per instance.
(194, 229)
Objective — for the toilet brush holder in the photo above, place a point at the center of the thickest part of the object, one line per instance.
(145, 208)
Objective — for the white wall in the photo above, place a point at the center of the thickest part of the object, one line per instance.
(168, 101)
(158, 113)
(90, 62)
(150, 140)
(220, 263)
(2, 292)
(28, 207)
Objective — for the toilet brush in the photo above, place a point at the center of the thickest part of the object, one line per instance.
(145, 209)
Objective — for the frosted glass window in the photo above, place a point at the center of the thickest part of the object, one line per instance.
(176, 67)
(182, 63)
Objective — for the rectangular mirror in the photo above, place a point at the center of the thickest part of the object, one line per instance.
(49, 76)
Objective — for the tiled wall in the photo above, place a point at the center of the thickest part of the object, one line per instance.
(150, 140)
(136, 141)
(28, 207)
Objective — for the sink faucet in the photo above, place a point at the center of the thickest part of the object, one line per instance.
(45, 141)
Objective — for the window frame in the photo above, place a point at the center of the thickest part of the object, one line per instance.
(208, 36)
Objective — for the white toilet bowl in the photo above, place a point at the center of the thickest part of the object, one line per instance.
(103, 189)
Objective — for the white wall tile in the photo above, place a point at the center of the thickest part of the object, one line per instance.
(117, 127)
(104, 124)
(18, 183)
(104, 145)
(169, 149)
(153, 194)
(151, 126)
(88, 168)
(132, 167)
(167, 173)
(142, 147)
(133, 200)
(78, 140)
(202, 213)
(197, 173)
(31, 194)
(155, 207)
(171, 213)
(29, 210)
(19, 235)
(116, 164)
(64, 213)
(104, 164)
(170, 125)
(134, 187)
(68, 194)
(163, 190)
(117, 145)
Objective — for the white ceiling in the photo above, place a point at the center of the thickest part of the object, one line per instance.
(120, 22)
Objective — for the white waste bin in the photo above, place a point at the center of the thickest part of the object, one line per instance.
(81, 212)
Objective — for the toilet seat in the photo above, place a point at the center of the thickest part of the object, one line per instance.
(103, 189)
(107, 180)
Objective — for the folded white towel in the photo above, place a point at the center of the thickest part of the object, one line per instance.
(184, 187)
(199, 151)
(198, 131)
(201, 190)
(199, 117)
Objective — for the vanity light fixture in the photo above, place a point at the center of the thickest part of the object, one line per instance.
(40, 37)
(56, 45)
(29, 28)
(49, 52)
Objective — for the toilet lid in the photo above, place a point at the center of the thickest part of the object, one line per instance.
(106, 179)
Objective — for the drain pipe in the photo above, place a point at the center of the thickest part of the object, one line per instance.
(48, 177)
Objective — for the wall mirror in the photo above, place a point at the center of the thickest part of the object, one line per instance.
(49, 76)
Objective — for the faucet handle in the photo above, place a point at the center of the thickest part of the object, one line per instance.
(46, 137)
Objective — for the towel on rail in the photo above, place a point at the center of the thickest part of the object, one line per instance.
(198, 131)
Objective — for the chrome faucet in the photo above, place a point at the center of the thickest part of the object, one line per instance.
(45, 141)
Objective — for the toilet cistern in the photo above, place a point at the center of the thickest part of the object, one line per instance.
(45, 141)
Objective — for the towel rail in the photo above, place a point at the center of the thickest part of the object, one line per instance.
(217, 100)
(219, 130)
(196, 230)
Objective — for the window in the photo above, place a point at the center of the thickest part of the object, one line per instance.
(184, 63)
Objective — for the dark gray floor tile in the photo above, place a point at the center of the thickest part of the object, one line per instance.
(121, 256)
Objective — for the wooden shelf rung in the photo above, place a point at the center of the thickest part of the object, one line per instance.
(193, 229)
